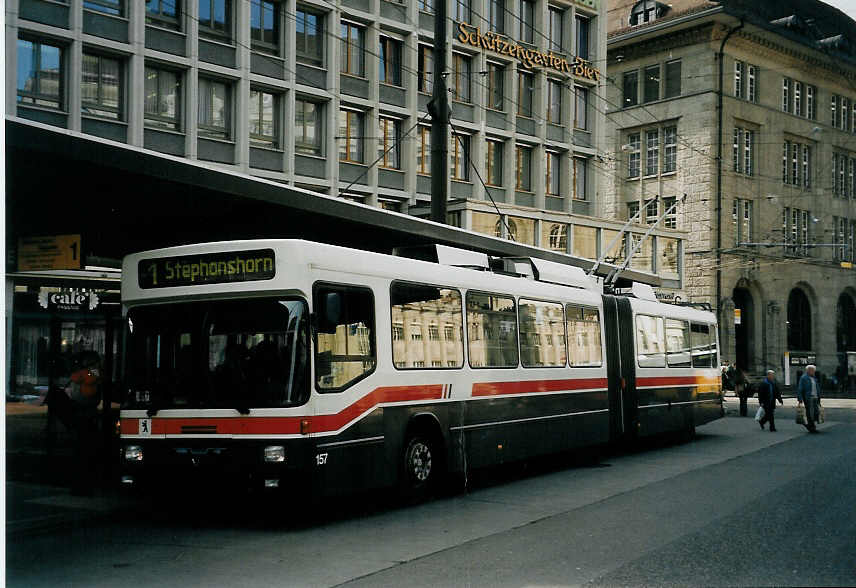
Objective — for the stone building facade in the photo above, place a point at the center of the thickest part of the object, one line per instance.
(745, 112)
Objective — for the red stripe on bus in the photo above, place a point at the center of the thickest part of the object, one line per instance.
(286, 425)
(533, 386)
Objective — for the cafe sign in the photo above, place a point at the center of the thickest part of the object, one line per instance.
(74, 299)
(531, 58)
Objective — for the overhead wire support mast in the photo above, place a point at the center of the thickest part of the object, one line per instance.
(613, 276)
(438, 108)
(615, 239)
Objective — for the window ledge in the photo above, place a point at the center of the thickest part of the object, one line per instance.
(669, 173)
(462, 102)
(503, 112)
(108, 15)
(310, 155)
(215, 139)
(162, 130)
(388, 85)
(459, 181)
(312, 65)
(104, 119)
(354, 76)
(268, 148)
(41, 108)
(391, 169)
(261, 51)
(165, 28)
(230, 43)
(357, 163)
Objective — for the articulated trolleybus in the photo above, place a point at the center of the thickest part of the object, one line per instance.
(290, 364)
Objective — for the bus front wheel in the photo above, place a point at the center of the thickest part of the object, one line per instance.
(420, 466)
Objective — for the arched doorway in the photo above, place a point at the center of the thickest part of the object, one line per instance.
(743, 333)
(799, 321)
(845, 321)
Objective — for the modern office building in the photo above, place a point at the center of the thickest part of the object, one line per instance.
(749, 110)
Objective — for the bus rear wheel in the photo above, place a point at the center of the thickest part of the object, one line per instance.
(420, 463)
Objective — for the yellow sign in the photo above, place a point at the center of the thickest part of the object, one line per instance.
(531, 58)
(52, 252)
(846, 265)
(737, 314)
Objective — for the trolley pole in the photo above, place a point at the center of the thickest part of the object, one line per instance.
(438, 107)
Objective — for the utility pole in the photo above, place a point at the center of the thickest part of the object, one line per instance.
(438, 107)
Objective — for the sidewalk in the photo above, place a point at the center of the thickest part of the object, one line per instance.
(38, 496)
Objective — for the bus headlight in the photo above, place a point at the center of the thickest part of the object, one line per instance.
(274, 454)
(133, 453)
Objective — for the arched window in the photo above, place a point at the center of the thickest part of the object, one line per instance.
(845, 324)
(512, 229)
(559, 237)
(646, 11)
(799, 321)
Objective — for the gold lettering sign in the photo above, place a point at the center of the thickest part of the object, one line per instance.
(531, 58)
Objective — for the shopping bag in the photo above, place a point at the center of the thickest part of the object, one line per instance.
(759, 414)
(821, 414)
(800, 414)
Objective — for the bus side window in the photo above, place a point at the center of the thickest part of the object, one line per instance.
(650, 341)
(345, 349)
(677, 343)
(704, 345)
(584, 346)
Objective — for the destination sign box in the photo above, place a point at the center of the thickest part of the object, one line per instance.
(207, 268)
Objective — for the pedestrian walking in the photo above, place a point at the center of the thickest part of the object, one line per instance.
(741, 387)
(768, 393)
(85, 395)
(808, 394)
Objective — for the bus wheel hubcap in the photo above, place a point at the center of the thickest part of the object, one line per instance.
(419, 461)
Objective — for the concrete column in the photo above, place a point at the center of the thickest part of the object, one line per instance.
(11, 20)
(10, 307)
(191, 80)
(241, 88)
(74, 62)
(136, 76)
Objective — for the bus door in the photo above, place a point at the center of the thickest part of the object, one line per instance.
(621, 367)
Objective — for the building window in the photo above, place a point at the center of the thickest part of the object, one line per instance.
(670, 149)
(741, 216)
(527, 21)
(525, 93)
(264, 119)
(351, 144)
(495, 79)
(634, 145)
(163, 99)
(554, 101)
(645, 11)
(308, 127)
(390, 61)
(426, 5)
(631, 88)
(215, 109)
(493, 163)
(163, 13)
(652, 152)
(462, 10)
(743, 151)
(461, 74)
(523, 170)
(673, 79)
(796, 164)
(353, 49)
(633, 210)
(786, 94)
(670, 218)
(652, 83)
(738, 79)
(215, 18)
(496, 16)
(806, 166)
(652, 211)
(40, 74)
(554, 41)
(389, 146)
(810, 102)
(752, 83)
(460, 157)
(114, 7)
(833, 106)
(582, 36)
(581, 107)
(552, 162)
(423, 151)
(426, 69)
(101, 86)
(309, 37)
(579, 179)
(557, 239)
(264, 26)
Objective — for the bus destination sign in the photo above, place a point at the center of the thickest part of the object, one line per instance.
(207, 268)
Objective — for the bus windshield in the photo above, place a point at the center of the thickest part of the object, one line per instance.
(222, 354)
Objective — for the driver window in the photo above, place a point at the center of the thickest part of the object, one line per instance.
(345, 350)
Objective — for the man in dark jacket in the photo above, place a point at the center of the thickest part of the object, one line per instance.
(768, 393)
(808, 393)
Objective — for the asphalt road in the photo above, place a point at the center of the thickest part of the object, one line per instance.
(736, 506)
